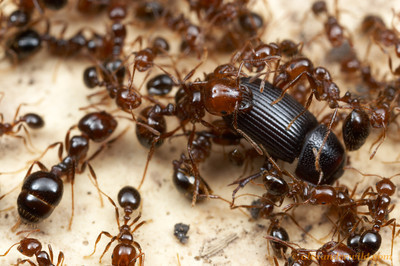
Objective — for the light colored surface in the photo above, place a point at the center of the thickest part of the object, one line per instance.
(59, 100)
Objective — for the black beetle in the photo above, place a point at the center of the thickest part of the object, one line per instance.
(267, 125)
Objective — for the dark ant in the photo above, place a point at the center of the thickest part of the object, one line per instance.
(185, 168)
(32, 247)
(151, 130)
(188, 183)
(42, 190)
(153, 117)
(184, 176)
(32, 120)
(128, 251)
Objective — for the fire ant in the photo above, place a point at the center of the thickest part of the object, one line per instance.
(32, 247)
(379, 208)
(42, 190)
(380, 34)
(128, 251)
(193, 36)
(184, 176)
(333, 30)
(32, 120)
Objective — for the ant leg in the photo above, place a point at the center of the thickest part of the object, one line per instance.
(252, 142)
(26, 260)
(97, 241)
(103, 145)
(66, 141)
(140, 255)
(60, 260)
(96, 184)
(317, 166)
(145, 78)
(72, 197)
(107, 247)
(26, 140)
(137, 226)
(17, 112)
(290, 206)
(51, 253)
(309, 100)
(292, 83)
(194, 165)
(243, 182)
(60, 150)
(149, 156)
(41, 166)
(380, 139)
(113, 203)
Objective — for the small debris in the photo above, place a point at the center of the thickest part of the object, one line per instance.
(213, 247)
(180, 232)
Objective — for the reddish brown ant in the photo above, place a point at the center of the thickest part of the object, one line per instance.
(32, 247)
(333, 30)
(380, 33)
(128, 251)
(32, 120)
